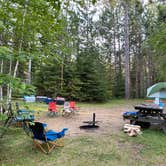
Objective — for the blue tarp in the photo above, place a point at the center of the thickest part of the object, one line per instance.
(130, 114)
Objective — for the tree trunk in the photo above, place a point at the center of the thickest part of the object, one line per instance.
(19, 52)
(149, 68)
(138, 66)
(9, 86)
(62, 72)
(137, 77)
(114, 47)
(127, 58)
(138, 69)
(29, 71)
(1, 89)
(119, 45)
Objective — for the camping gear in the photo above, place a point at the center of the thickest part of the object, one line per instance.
(129, 114)
(73, 106)
(46, 140)
(157, 90)
(24, 115)
(145, 115)
(52, 107)
(91, 124)
(67, 111)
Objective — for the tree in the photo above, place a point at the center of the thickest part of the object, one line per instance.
(91, 69)
(157, 42)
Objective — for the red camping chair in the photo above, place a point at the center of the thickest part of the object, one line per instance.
(52, 107)
(73, 106)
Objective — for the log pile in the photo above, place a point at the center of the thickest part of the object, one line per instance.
(132, 130)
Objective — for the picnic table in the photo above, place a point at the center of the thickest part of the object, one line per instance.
(145, 115)
(149, 109)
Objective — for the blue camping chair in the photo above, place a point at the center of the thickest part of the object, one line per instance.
(46, 140)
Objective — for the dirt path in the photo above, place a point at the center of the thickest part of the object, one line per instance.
(110, 120)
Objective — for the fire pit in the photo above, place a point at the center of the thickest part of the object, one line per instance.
(91, 124)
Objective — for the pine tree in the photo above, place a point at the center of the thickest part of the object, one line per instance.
(91, 71)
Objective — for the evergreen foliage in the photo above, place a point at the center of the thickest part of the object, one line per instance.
(92, 75)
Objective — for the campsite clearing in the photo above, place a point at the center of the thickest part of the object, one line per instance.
(105, 146)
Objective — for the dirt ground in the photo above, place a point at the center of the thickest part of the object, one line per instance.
(110, 120)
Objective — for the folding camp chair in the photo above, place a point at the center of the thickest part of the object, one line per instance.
(52, 107)
(46, 140)
(67, 111)
(73, 106)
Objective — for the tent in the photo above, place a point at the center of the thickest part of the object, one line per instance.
(157, 90)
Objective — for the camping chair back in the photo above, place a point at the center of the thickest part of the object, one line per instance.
(49, 138)
(66, 105)
(38, 131)
(52, 107)
(73, 104)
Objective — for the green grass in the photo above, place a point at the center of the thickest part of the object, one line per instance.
(110, 104)
(110, 149)
(148, 149)
(33, 106)
(113, 103)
